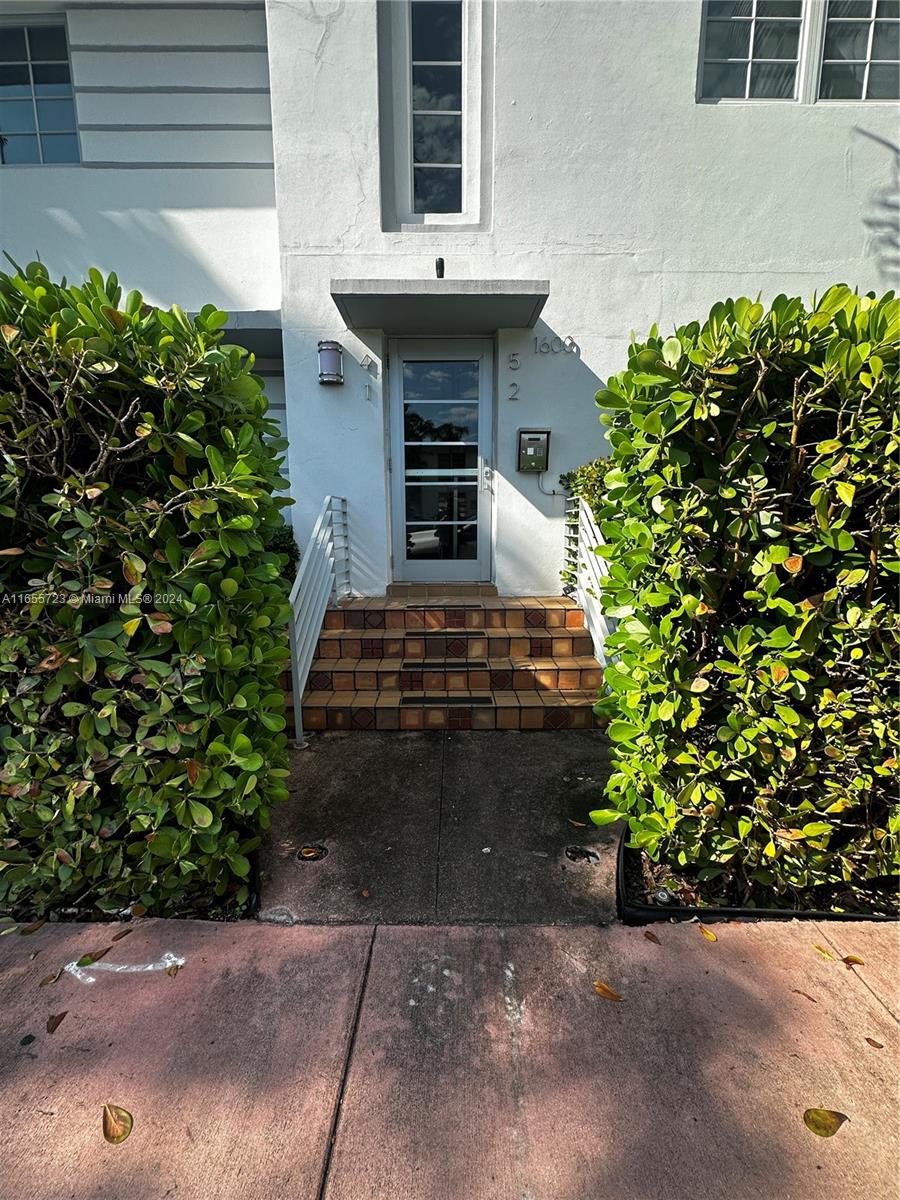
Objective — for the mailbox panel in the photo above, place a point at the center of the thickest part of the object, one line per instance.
(534, 450)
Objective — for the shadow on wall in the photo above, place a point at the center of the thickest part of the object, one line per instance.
(168, 239)
(882, 215)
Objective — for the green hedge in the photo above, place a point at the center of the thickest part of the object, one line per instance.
(749, 519)
(143, 621)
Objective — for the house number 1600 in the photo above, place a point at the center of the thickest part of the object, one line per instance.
(555, 345)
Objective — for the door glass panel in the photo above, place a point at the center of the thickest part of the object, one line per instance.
(440, 381)
(438, 422)
(442, 541)
(437, 502)
(440, 463)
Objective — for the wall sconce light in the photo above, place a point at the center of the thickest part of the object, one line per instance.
(331, 362)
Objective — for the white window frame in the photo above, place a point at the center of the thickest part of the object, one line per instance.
(747, 98)
(810, 56)
(14, 21)
(820, 60)
(472, 100)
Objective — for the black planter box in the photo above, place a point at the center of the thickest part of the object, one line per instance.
(639, 912)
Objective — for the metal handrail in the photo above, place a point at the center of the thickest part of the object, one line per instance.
(590, 569)
(324, 574)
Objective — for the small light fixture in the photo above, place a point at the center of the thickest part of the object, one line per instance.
(331, 362)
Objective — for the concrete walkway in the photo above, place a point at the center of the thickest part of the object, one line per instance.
(444, 828)
(438, 1063)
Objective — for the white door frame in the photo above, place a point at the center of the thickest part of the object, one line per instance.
(474, 570)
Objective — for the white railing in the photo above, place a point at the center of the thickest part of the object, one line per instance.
(324, 573)
(588, 570)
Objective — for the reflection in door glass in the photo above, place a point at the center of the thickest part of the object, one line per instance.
(440, 381)
(435, 421)
(441, 541)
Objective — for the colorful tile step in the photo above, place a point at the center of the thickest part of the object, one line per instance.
(416, 675)
(454, 661)
(449, 710)
(452, 643)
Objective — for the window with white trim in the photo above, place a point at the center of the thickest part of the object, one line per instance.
(436, 105)
(751, 49)
(37, 106)
(435, 113)
(861, 54)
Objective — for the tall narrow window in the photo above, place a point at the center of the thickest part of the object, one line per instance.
(861, 59)
(436, 91)
(751, 49)
(37, 109)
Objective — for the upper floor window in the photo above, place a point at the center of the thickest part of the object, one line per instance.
(436, 105)
(861, 59)
(37, 108)
(751, 49)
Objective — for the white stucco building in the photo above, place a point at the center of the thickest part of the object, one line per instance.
(575, 169)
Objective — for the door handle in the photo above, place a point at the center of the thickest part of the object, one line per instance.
(487, 478)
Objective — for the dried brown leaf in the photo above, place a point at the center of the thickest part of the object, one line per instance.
(806, 994)
(173, 970)
(824, 1122)
(578, 824)
(875, 1045)
(851, 960)
(707, 933)
(138, 910)
(117, 937)
(825, 953)
(51, 978)
(651, 937)
(33, 927)
(606, 992)
(54, 1022)
(117, 1123)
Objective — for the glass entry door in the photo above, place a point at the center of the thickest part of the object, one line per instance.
(441, 420)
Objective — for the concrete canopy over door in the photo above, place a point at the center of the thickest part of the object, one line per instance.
(440, 307)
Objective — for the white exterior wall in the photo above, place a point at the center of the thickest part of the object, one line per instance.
(637, 203)
(183, 205)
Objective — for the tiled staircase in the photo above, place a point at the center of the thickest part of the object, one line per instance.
(453, 662)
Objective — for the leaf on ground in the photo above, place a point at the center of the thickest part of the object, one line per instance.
(806, 994)
(851, 960)
(707, 933)
(875, 1045)
(117, 937)
(173, 970)
(33, 927)
(365, 893)
(51, 978)
(54, 1021)
(8, 929)
(117, 1123)
(825, 953)
(94, 956)
(824, 1122)
(578, 824)
(651, 937)
(606, 992)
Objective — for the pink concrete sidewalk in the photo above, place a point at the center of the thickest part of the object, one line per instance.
(463, 1063)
